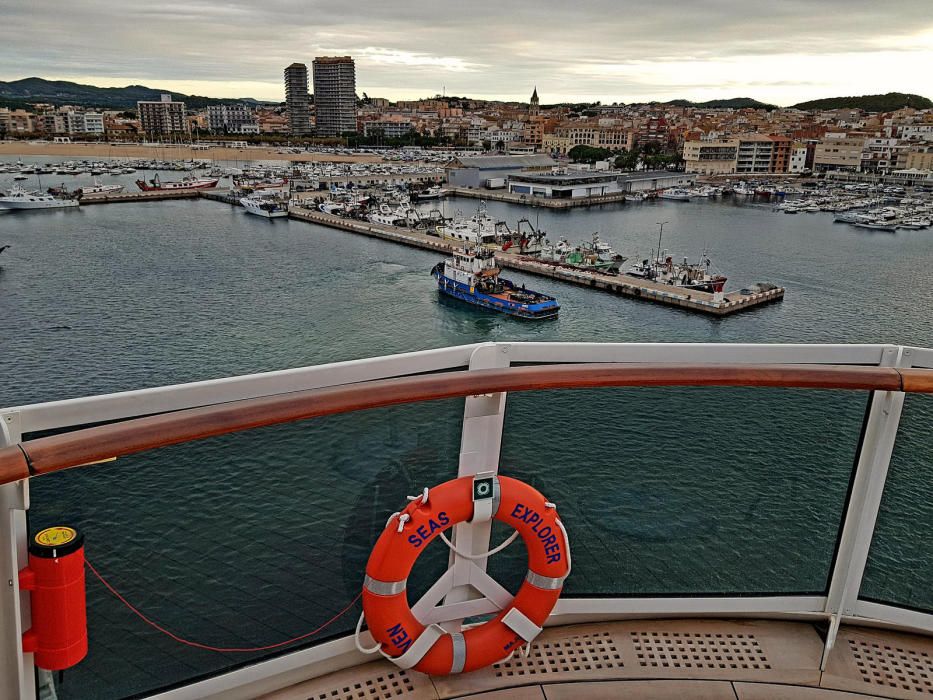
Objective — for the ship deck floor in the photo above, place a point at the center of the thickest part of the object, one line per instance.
(666, 660)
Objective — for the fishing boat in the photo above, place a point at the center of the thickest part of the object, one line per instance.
(684, 275)
(24, 199)
(188, 183)
(267, 205)
(99, 188)
(472, 275)
(595, 255)
(676, 194)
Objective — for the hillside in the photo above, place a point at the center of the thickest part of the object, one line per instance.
(732, 103)
(60, 92)
(869, 103)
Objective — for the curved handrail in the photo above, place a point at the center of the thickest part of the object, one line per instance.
(80, 447)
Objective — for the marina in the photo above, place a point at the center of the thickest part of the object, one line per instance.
(241, 294)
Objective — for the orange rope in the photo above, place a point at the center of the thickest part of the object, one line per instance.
(208, 647)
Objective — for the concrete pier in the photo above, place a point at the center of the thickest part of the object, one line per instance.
(692, 300)
(151, 196)
(634, 287)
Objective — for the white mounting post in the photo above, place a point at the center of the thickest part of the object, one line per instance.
(867, 488)
(480, 442)
(16, 668)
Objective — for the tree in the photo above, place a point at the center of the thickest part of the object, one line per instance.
(627, 160)
(500, 146)
(588, 154)
(487, 145)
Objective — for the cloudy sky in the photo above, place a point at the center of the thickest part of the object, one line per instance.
(780, 51)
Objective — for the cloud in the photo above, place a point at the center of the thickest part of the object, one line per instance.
(613, 50)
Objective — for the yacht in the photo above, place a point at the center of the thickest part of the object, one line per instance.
(676, 194)
(264, 204)
(433, 192)
(25, 199)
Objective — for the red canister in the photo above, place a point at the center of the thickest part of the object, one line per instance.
(55, 576)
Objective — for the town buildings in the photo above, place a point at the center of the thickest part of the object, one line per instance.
(297, 101)
(164, 118)
(334, 95)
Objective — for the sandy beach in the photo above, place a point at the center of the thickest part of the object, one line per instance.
(85, 151)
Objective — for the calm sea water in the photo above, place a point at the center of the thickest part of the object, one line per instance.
(666, 491)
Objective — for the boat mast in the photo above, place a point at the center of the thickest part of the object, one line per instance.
(660, 233)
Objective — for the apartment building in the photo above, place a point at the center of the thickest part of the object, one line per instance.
(84, 123)
(710, 157)
(16, 121)
(838, 153)
(163, 118)
(232, 119)
(297, 101)
(755, 153)
(334, 95)
(390, 126)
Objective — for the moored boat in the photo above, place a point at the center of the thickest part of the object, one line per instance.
(265, 205)
(188, 183)
(24, 199)
(676, 194)
(471, 275)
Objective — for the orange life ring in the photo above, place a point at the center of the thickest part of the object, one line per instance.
(431, 650)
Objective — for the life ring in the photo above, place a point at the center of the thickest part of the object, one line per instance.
(410, 644)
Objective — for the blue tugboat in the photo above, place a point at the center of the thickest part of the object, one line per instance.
(471, 275)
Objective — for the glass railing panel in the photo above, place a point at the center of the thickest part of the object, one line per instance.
(899, 570)
(240, 541)
(690, 491)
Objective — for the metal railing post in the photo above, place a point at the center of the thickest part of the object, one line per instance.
(16, 668)
(480, 443)
(864, 502)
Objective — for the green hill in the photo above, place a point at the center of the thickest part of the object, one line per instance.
(62, 92)
(869, 103)
(732, 103)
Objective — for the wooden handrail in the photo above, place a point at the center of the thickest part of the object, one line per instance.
(80, 447)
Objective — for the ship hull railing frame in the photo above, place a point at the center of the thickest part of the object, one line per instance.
(481, 438)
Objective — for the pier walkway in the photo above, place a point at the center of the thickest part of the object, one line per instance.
(624, 285)
(618, 284)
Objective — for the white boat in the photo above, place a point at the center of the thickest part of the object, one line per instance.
(676, 194)
(24, 199)
(268, 206)
(634, 197)
(331, 207)
(402, 215)
(99, 188)
(479, 229)
(432, 193)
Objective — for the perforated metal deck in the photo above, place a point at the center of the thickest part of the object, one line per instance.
(665, 659)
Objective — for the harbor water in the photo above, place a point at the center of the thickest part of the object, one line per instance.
(258, 537)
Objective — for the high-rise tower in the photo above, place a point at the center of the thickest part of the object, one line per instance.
(534, 109)
(296, 99)
(334, 95)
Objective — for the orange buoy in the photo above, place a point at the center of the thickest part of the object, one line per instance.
(410, 644)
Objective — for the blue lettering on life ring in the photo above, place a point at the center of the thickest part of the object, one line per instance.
(545, 534)
(424, 532)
